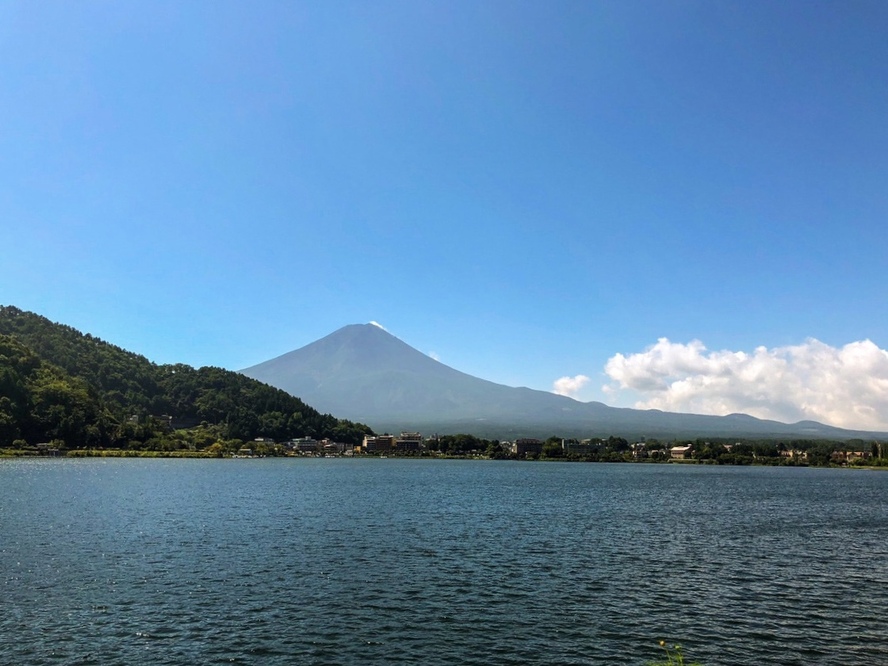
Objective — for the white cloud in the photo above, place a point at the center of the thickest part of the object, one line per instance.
(569, 386)
(378, 325)
(434, 355)
(846, 387)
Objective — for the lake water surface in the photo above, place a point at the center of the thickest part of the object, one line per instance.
(338, 561)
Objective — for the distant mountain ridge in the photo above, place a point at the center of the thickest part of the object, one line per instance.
(366, 374)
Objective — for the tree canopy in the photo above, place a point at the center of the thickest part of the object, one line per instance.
(58, 384)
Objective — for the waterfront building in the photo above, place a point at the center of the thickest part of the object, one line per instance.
(680, 452)
(409, 441)
(378, 443)
(304, 444)
(528, 445)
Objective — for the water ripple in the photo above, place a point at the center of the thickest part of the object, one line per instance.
(434, 562)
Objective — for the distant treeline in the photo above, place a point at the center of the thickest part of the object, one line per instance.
(723, 451)
(76, 391)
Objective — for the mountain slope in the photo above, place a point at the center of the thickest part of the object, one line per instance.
(40, 402)
(120, 385)
(363, 369)
(364, 373)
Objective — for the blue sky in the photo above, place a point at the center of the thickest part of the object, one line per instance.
(530, 191)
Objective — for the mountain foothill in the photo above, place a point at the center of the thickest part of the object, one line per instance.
(72, 390)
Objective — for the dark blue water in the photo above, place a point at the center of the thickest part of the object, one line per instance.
(336, 561)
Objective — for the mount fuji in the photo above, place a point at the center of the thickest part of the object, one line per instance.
(363, 373)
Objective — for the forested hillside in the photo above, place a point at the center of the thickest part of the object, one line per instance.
(57, 384)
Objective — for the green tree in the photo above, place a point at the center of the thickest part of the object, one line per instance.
(552, 448)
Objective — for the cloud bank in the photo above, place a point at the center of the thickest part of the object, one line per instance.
(845, 387)
(569, 386)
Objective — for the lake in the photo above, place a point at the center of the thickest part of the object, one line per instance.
(433, 562)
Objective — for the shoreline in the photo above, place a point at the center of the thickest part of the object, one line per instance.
(204, 455)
